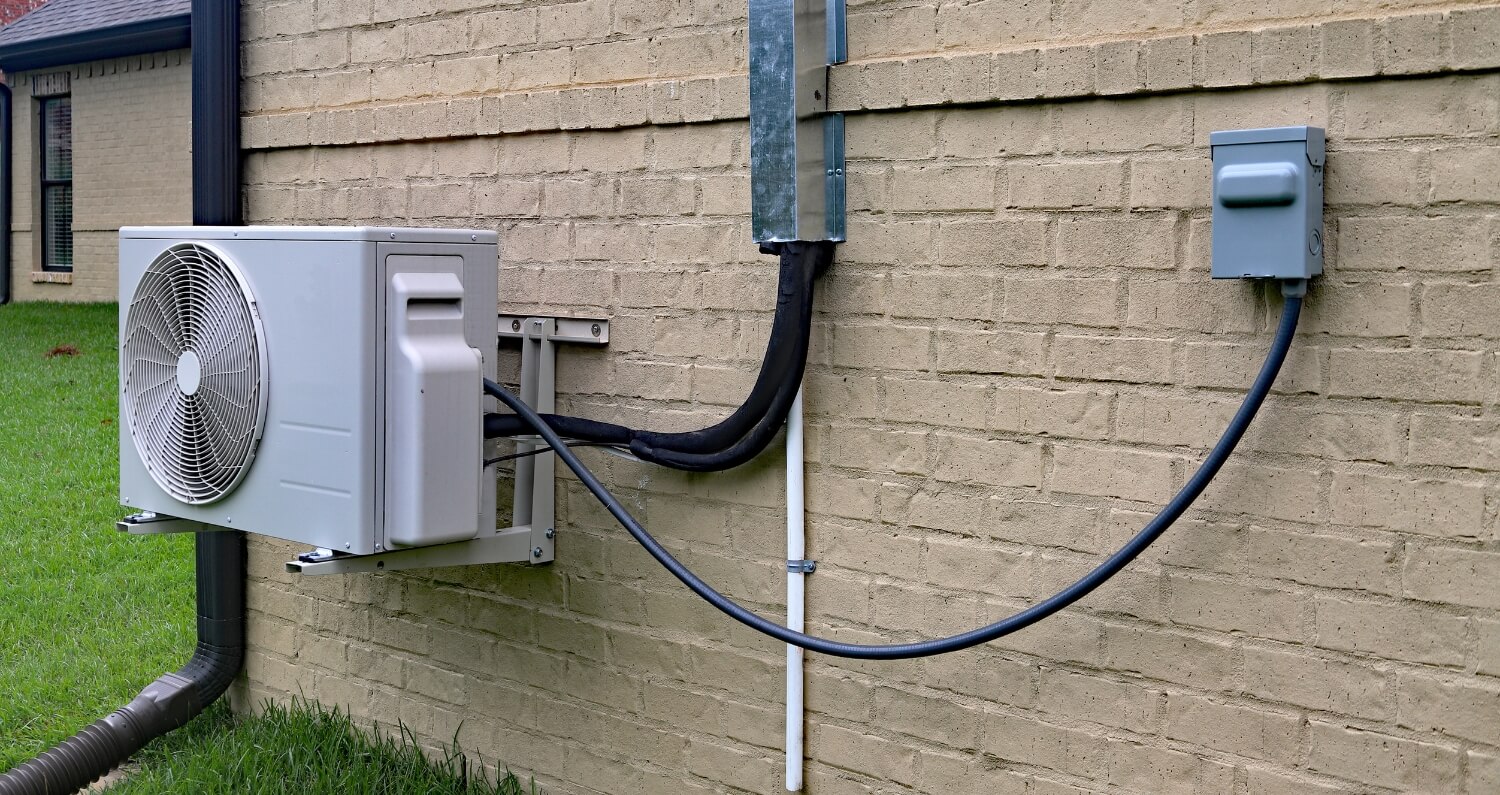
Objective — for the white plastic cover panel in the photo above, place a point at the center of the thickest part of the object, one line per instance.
(431, 374)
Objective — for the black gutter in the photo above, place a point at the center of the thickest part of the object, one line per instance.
(5, 187)
(135, 38)
(175, 698)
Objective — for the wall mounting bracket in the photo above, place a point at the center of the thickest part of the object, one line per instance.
(532, 535)
(797, 175)
(152, 523)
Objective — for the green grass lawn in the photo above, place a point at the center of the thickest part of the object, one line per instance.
(88, 615)
(302, 749)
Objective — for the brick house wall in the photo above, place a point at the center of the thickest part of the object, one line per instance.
(132, 164)
(1018, 357)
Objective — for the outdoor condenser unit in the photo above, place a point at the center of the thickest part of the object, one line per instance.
(317, 384)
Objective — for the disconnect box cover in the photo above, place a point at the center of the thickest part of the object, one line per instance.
(1268, 203)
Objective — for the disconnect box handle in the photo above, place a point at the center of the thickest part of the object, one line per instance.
(433, 436)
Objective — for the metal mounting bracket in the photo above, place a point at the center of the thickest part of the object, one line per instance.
(797, 178)
(531, 537)
(150, 523)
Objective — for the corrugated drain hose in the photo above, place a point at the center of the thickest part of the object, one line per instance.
(1195, 485)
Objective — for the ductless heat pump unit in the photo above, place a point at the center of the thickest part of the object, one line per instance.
(321, 385)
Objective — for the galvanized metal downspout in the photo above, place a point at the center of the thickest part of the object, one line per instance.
(175, 698)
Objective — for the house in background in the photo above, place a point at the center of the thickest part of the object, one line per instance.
(99, 139)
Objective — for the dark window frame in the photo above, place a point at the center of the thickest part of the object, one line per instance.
(46, 183)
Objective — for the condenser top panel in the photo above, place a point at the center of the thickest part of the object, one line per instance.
(380, 234)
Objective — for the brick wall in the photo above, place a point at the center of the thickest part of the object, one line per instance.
(132, 165)
(1018, 357)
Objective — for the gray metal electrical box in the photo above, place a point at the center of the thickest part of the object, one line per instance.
(1268, 203)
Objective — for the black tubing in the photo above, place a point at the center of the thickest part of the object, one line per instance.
(781, 369)
(759, 437)
(1025, 618)
(745, 432)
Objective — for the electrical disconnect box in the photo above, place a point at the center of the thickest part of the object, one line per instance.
(1268, 203)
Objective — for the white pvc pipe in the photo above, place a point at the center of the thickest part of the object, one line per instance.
(796, 549)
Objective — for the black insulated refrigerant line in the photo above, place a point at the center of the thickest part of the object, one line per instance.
(745, 433)
(1293, 291)
(175, 698)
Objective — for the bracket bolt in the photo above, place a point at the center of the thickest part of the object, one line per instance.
(550, 532)
(536, 553)
(595, 330)
(473, 237)
(515, 325)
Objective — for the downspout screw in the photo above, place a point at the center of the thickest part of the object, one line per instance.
(551, 532)
(595, 330)
(515, 325)
(536, 553)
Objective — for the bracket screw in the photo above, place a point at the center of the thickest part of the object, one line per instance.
(515, 325)
(473, 237)
(550, 532)
(595, 330)
(536, 553)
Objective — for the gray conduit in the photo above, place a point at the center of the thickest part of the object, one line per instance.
(175, 698)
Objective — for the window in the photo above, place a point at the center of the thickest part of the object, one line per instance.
(57, 183)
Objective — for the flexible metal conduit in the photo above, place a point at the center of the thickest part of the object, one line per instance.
(1293, 290)
(175, 698)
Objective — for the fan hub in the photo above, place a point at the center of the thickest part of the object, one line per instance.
(189, 373)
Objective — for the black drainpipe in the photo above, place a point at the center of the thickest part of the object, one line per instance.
(4, 193)
(175, 698)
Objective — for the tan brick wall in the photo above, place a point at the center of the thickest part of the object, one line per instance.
(132, 164)
(1018, 356)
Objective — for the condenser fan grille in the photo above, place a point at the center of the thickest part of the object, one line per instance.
(194, 373)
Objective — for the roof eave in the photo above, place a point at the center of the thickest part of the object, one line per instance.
(135, 38)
